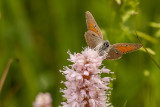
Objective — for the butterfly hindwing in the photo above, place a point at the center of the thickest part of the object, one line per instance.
(92, 39)
(113, 53)
(92, 25)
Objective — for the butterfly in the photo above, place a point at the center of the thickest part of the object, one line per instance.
(94, 39)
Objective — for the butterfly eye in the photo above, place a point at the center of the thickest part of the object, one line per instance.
(106, 44)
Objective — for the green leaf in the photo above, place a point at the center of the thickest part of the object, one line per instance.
(155, 25)
(149, 50)
(146, 37)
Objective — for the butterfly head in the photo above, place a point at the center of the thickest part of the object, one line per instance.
(103, 47)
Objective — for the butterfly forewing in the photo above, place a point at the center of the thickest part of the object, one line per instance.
(127, 47)
(92, 25)
(92, 39)
(117, 50)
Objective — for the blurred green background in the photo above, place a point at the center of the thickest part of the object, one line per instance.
(40, 32)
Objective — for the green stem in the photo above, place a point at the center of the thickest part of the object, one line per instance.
(5, 73)
(148, 52)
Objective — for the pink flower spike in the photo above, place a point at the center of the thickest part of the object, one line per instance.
(84, 85)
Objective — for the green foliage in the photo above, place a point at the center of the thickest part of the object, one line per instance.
(40, 32)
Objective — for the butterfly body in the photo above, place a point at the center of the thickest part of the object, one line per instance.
(94, 39)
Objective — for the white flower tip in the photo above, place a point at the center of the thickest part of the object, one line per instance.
(43, 100)
(79, 77)
(73, 75)
(86, 73)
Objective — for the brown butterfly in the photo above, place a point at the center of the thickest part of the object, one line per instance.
(94, 39)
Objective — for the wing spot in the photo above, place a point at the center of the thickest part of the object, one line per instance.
(93, 34)
(94, 26)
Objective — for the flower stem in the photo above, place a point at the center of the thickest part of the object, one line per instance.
(5, 73)
(148, 52)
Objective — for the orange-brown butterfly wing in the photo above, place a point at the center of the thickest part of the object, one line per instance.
(92, 25)
(113, 53)
(127, 47)
(92, 39)
(117, 50)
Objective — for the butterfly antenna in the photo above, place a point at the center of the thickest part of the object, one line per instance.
(148, 52)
